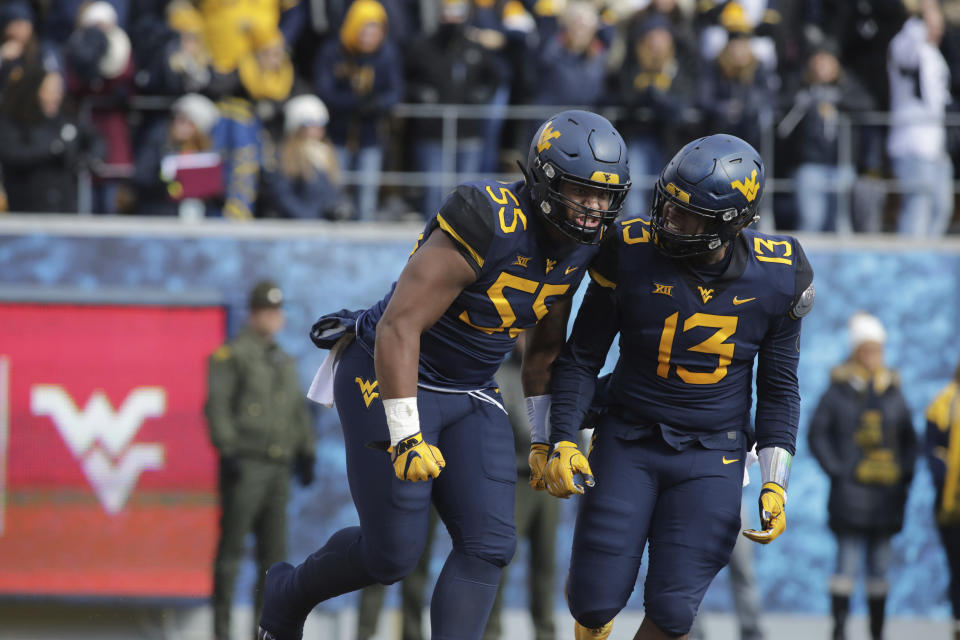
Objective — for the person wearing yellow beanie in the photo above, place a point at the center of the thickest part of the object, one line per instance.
(359, 76)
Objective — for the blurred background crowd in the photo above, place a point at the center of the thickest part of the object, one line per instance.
(371, 109)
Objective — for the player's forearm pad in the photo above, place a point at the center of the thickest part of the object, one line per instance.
(538, 411)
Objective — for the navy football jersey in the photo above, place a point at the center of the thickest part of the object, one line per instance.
(520, 273)
(688, 341)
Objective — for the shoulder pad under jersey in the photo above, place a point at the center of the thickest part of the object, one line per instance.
(467, 217)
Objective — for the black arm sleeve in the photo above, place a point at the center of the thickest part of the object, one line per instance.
(574, 374)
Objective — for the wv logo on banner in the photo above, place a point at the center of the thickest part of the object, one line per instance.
(100, 437)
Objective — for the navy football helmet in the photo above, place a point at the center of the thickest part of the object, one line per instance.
(718, 179)
(582, 148)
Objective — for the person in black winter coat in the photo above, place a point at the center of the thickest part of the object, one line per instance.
(446, 67)
(41, 148)
(812, 129)
(657, 93)
(863, 437)
(736, 91)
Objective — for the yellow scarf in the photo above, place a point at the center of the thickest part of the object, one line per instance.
(260, 84)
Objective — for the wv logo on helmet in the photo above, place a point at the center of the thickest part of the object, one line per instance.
(549, 133)
(749, 187)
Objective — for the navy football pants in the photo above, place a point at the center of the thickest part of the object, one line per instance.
(686, 503)
(474, 496)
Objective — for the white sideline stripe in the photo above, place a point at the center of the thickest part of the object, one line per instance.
(151, 226)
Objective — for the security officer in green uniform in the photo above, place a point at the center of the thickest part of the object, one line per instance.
(259, 424)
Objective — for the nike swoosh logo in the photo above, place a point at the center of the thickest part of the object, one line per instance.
(737, 300)
(725, 461)
(570, 270)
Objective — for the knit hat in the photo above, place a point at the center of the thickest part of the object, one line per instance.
(303, 110)
(864, 327)
(734, 19)
(184, 17)
(200, 110)
(96, 13)
(360, 13)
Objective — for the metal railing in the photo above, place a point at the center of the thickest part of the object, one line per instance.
(450, 116)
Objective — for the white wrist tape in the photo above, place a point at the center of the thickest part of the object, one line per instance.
(403, 419)
(538, 411)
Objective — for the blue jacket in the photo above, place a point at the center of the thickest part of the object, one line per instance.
(238, 137)
(355, 114)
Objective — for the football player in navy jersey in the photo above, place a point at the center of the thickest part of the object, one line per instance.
(697, 298)
(414, 387)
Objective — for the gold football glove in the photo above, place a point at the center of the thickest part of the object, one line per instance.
(538, 463)
(773, 518)
(565, 462)
(415, 460)
(580, 632)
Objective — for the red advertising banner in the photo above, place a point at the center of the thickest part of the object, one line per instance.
(107, 475)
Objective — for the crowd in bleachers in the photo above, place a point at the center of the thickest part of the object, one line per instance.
(287, 108)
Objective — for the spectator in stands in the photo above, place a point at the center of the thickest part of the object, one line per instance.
(657, 94)
(41, 148)
(230, 26)
(62, 15)
(240, 139)
(756, 20)
(736, 93)
(264, 75)
(571, 66)
(253, 93)
(864, 30)
(685, 47)
(159, 191)
(19, 46)
(306, 180)
(360, 78)
(508, 31)
(862, 435)
(100, 69)
(812, 126)
(447, 68)
(919, 95)
(184, 64)
(943, 458)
